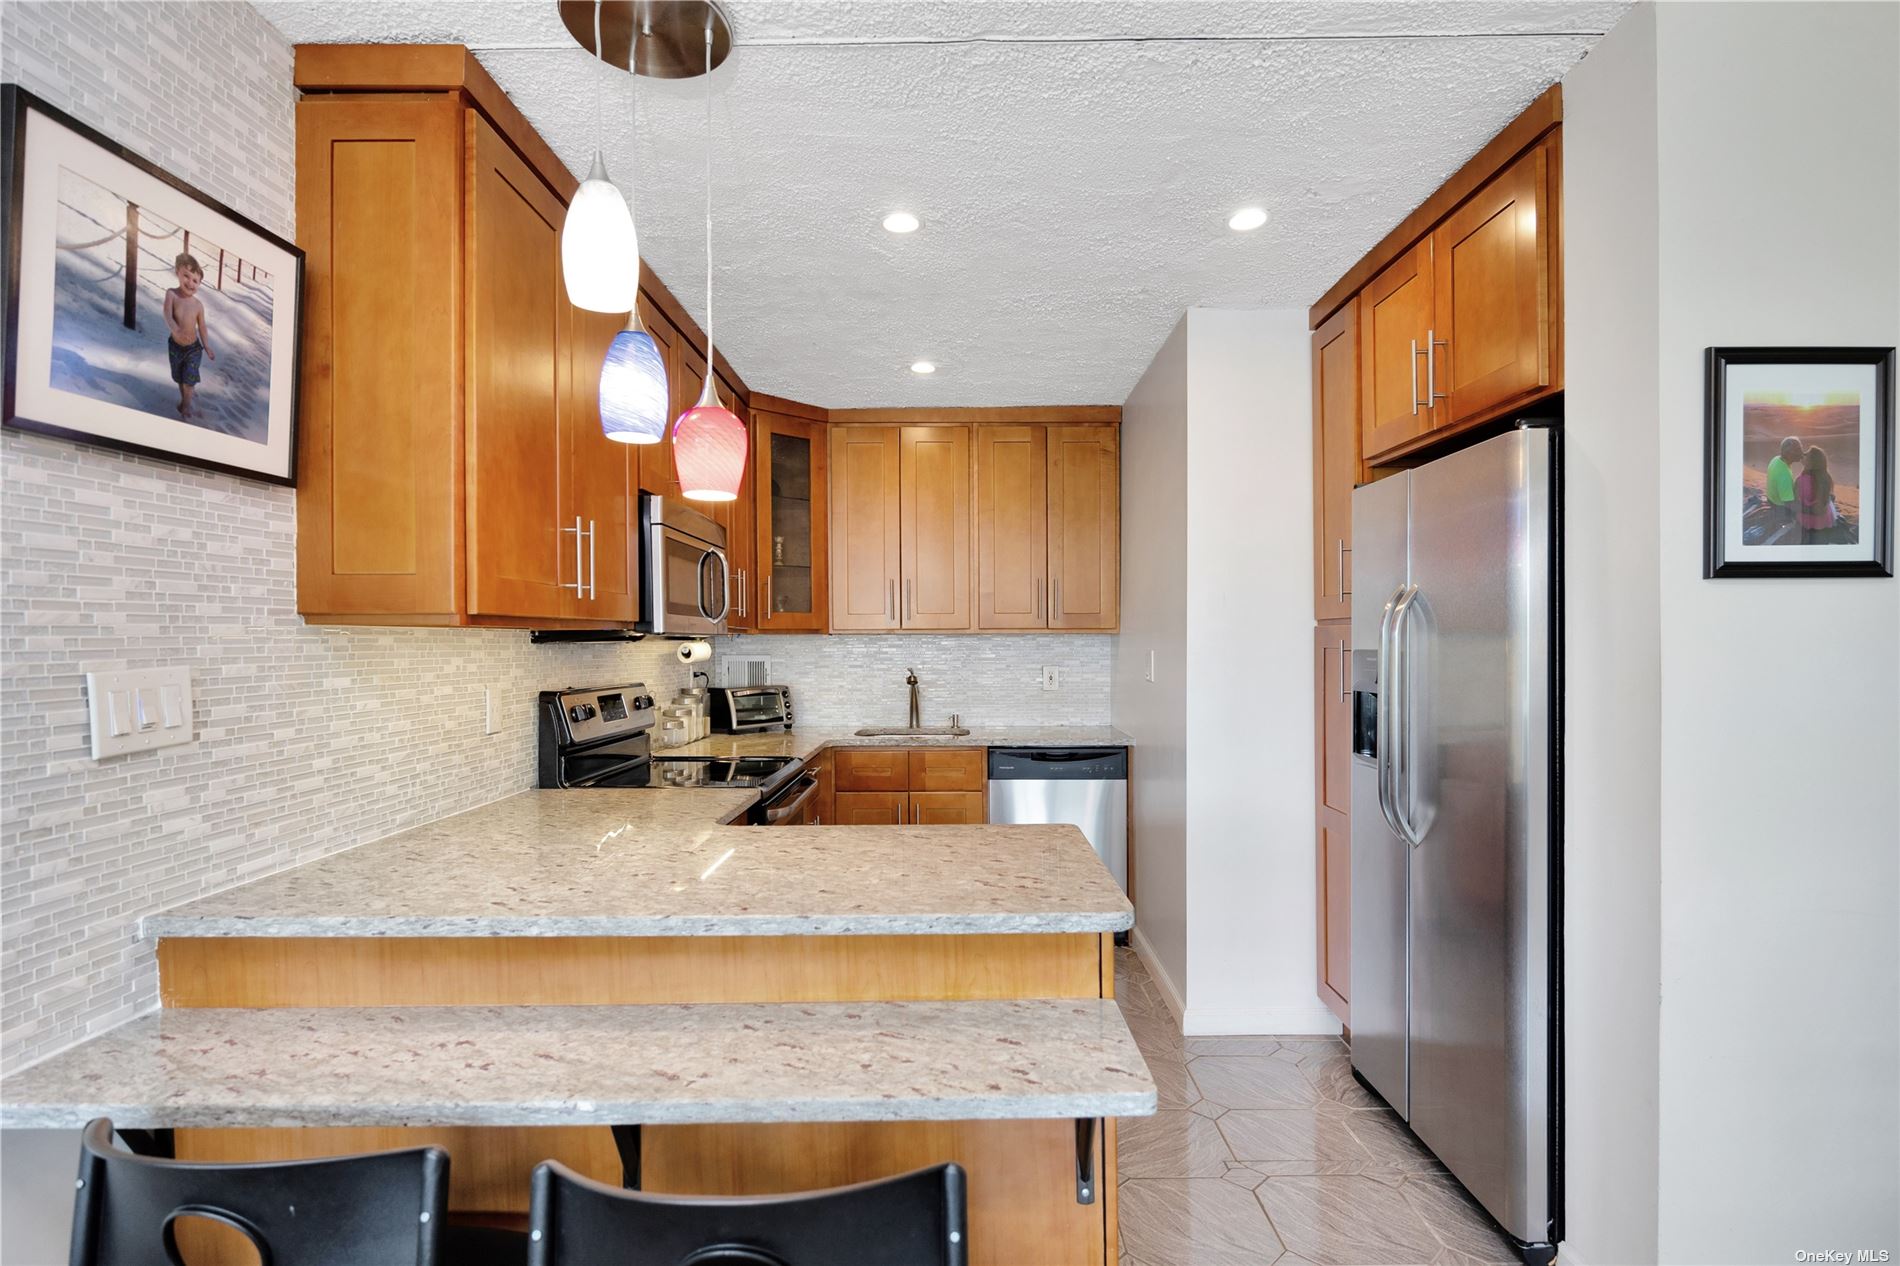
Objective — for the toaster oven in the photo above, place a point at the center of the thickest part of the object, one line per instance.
(750, 709)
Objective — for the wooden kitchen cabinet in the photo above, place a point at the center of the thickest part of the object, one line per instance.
(1332, 678)
(873, 769)
(934, 533)
(1084, 527)
(871, 808)
(866, 557)
(601, 480)
(948, 808)
(824, 805)
(1333, 867)
(900, 527)
(452, 468)
(1395, 324)
(949, 768)
(1335, 459)
(1491, 301)
(789, 471)
(1012, 526)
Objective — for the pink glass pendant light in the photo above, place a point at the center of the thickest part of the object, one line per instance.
(709, 443)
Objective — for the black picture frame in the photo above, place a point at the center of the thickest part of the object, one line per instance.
(16, 104)
(1721, 473)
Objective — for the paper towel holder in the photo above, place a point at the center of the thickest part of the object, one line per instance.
(696, 651)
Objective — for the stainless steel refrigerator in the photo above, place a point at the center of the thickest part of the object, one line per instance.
(1456, 674)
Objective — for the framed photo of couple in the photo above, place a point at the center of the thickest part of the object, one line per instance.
(1799, 478)
(141, 315)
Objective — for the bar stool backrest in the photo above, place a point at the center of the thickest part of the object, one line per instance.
(914, 1219)
(377, 1209)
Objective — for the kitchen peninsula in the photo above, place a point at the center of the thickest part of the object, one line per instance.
(750, 1010)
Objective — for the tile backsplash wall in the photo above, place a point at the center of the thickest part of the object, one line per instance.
(845, 680)
(310, 740)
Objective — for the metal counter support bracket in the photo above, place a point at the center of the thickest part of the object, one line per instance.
(1086, 1131)
(627, 1140)
(154, 1143)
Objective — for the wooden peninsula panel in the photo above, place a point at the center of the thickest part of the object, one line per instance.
(556, 970)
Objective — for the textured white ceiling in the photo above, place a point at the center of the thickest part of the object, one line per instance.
(1074, 194)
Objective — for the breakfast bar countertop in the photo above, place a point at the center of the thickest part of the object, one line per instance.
(663, 862)
(808, 742)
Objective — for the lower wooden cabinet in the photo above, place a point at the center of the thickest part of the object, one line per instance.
(949, 808)
(1333, 867)
(824, 804)
(1332, 860)
(925, 786)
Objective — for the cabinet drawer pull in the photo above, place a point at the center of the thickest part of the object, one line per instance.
(1342, 672)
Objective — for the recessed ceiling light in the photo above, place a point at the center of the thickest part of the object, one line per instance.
(1246, 219)
(922, 367)
(902, 222)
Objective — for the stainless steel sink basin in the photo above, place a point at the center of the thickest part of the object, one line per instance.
(910, 731)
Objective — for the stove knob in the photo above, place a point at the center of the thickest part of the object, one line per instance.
(642, 703)
(580, 712)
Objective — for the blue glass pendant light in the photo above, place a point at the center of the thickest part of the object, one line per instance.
(633, 390)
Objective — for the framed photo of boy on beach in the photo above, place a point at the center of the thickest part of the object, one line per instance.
(1799, 466)
(141, 315)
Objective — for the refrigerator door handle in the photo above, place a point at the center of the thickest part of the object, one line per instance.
(1404, 762)
(1388, 704)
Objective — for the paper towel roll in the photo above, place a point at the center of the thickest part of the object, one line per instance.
(694, 652)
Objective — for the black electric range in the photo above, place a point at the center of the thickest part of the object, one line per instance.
(600, 739)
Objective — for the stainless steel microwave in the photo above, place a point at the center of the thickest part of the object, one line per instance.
(684, 584)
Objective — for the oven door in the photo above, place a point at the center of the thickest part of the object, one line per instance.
(687, 589)
(792, 805)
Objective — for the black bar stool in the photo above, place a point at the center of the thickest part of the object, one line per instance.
(914, 1219)
(377, 1209)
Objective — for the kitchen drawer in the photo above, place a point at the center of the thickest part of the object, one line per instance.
(870, 808)
(949, 769)
(872, 769)
(949, 808)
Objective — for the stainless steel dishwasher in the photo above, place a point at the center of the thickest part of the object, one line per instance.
(1084, 786)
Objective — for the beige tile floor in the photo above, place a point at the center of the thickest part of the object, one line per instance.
(1266, 1151)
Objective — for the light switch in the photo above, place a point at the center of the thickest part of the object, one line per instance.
(138, 710)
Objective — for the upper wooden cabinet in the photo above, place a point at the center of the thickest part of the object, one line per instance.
(1461, 305)
(1336, 395)
(900, 528)
(1491, 295)
(454, 470)
(1012, 527)
(866, 562)
(789, 475)
(1084, 527)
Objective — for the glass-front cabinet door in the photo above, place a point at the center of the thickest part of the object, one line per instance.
(788, 470)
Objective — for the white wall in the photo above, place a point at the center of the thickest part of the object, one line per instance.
(1154, 619)
(1251, 878)
(1613, 649)
(1779, 152)
(1217, 579)
(1733, 852)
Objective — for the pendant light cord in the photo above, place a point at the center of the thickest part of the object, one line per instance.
(713, 392)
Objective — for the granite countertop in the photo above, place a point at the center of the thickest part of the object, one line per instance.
(654, 862)
(806, 743)
(521, 1066)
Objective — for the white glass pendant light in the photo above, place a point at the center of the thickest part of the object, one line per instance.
(600, 253)
(634, 400)
(709, 442)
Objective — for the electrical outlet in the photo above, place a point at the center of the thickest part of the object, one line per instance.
(1151, 665)
(1051, 677)
(490, 724)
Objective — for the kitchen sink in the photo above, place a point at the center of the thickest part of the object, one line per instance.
(912, 731)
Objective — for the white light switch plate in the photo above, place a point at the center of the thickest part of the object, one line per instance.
(1051, 677)
(137, 711)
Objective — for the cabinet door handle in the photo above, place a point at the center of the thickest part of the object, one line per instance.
(1432, 344)
(768, 595)
(1055, 603)
(1342, 672)
(1042, 587)
(1414, 377)
(744, 603)
(910, 600)
(890, 600)
(592, 591)
(1343, 551)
